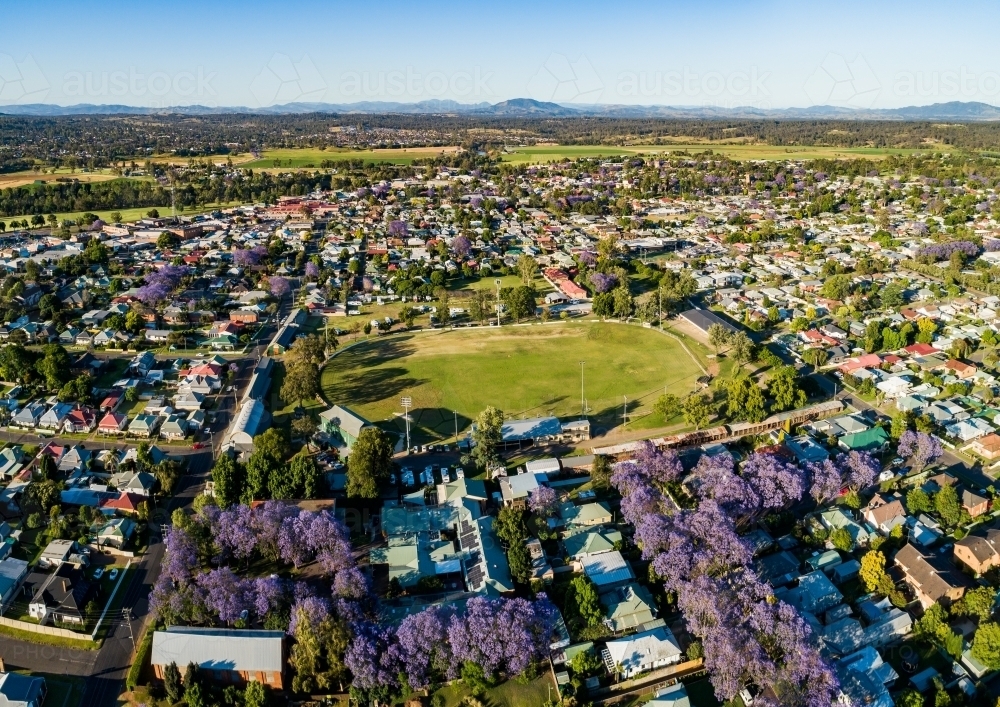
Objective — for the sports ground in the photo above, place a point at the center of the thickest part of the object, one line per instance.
(527, 371)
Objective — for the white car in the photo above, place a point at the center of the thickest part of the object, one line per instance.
(459, 472)
(445, 476)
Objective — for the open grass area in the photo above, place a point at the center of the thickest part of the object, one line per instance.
(20, 179)
(312, 158)
(62, 690)
(559, 153)
(508, 694)
(526, 371)
(128, 215)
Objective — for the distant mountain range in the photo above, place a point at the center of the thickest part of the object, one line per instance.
(955, 111)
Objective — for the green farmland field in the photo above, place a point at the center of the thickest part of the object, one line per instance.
(309, 158)
(559, 153)
(526, 371)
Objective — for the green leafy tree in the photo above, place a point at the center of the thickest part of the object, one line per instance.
(718, 336)
(172, 683)
(697, 410)
(976, 602)
(741, 348)
(487, 436)
(527, 268)
(872, 571)
(986, 645)
(255, 694)
(667, 406)
(269, 453)
(784, 390)
(600, 473)
(369, 463)
(583, 603)
(842, 540)
(947, 505)
(228, 480)
(745, 401)
(917, 501)
(512, 530)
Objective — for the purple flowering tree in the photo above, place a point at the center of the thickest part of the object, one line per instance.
(247, 257)
(370, 657)
(921, 447)
(542, 501)
(398, 229)
(776, 483)
(502, 636)
(825, 481)
(278, 286)
(603, 282)
(312, 270)
(225, 594)
(859, 469)
(422, 647)
(660, 465)
(461, 247)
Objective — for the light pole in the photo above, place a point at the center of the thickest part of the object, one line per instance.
(497, 282)
(407, 403)
(583, 403)
(455, 412)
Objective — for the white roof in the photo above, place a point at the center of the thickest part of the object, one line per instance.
(543, 466)
(643, 649)
(219, 649)
(607, 568)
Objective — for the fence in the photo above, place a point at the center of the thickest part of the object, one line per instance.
(44, 630)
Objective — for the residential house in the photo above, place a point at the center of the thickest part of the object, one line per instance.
(642, 652)
(607, 570)
(930, 580)
(979, 553)
(61, 597)
(960, 369)
(116, 532)
(628, 607)
(144, 425)
(587, 515)
(18, 690)
(113, 423)
(28, 416)
(174, 427)
(974, 504)
(884, 513)
(591, 542)
(82, 419)
(55, 416)
(987, 447)
(227, 655)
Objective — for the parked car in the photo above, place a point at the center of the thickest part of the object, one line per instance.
(98, 573)
(114, 574)
(445, 476)
(459, 472)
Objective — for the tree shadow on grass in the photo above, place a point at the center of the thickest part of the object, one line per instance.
(371, 386)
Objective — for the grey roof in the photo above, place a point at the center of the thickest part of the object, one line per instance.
(704, 318)
(345, 419)
(219, 649)
(523, 430)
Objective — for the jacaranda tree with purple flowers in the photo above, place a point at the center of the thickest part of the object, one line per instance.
(921, 447)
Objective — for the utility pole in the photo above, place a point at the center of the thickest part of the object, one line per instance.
(407, 403)
(455, 412)
(583, 403)
(127, 615)
(497, 282)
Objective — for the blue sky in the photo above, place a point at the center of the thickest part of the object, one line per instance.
(770, 54)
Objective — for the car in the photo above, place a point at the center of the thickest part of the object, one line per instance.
(446, 448)
(897, 461)
(98, 573)
(114, 574)
(198, 445)
(392, 479)
(445, 476)
(459, 472)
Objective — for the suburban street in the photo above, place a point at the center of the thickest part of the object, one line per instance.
(106, 668)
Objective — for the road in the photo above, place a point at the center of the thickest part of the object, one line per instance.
(107, 668)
